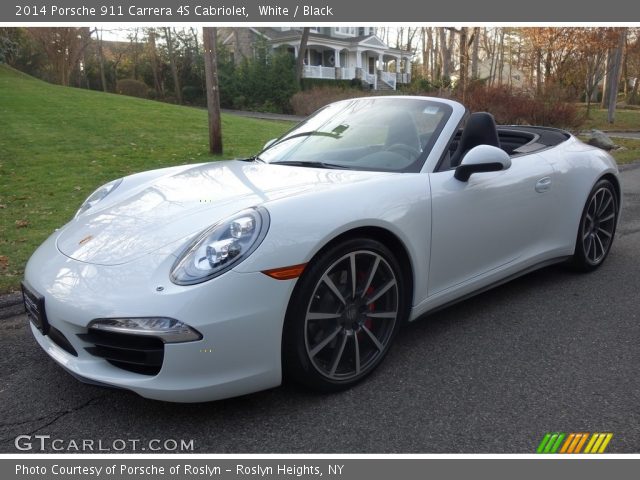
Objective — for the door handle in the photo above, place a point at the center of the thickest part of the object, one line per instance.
(543, 185)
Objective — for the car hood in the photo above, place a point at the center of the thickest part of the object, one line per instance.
(167, 211)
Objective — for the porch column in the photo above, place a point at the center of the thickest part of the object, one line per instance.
(380, 62)
(398, 65)
(295, 52)
(407, 65)
(336, 55)
(358, 59)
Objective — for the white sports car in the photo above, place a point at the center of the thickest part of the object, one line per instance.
(201, 282)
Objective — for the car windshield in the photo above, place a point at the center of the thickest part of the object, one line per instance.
(381, 134)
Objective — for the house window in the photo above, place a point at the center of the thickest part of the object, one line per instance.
(346, 31)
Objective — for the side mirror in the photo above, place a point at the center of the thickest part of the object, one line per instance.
(483, 158)
(269, 143)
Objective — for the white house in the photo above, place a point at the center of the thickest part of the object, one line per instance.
(334, 53)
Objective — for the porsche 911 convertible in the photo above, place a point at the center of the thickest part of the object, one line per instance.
(201, 282)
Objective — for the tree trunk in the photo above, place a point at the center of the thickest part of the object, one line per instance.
(501, 57)
(493, 55)
(427, 47)
(464, 62)
(615, 76)
(606, 81)
(154, 63)
(445, 55)
(135, 53)
(475, 53)
(172, 63)
(625, 71)
(632, 99)
(213, 93)
(302, 52)
(103, 78)
(538, 71)
(435, 59)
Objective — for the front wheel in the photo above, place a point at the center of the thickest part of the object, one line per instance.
(344, 315)
(597, 227)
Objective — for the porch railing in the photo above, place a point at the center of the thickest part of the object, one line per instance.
(371, 79)
(389, 78)
(318, 71)
(348, 73)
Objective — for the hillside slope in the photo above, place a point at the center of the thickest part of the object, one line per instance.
(57, 144)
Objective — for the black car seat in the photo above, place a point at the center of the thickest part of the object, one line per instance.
(479, 130)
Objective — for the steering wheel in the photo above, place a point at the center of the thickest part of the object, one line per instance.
(406, 151)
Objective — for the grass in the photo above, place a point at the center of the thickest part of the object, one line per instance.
(625, 120)
(58, 144)
(630, 152)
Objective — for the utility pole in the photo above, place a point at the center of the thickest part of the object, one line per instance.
(213, 93)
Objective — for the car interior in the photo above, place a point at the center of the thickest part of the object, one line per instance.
(481, 129)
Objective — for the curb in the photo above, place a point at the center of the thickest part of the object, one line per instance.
(11, 305)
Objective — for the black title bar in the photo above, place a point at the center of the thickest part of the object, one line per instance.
(314, 12)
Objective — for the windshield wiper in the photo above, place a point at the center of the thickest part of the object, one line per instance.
(298, 163)
(311, 133)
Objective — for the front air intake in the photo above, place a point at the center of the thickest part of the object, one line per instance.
(134, 353)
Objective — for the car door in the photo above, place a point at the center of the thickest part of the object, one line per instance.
(491, 222)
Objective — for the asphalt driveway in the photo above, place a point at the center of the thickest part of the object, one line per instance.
(551, 351)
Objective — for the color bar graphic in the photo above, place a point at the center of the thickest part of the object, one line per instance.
(552, 442)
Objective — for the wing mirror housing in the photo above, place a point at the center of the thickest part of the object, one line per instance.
(483, 158)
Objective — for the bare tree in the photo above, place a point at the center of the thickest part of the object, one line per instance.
(103, 78)
(615, 75)
(475, 52)
(64, 48)
(172, 62)
(427, 48)
(445, 54)
(153, 59)
(213, 93)
(134, 45)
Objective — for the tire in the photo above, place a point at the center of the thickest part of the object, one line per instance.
(597, 227)
(342, 320)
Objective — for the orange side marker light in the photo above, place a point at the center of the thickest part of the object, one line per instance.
(286, 273)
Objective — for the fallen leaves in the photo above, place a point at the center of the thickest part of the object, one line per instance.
(22, 223)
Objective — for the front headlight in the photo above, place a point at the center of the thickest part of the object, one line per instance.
(98, 195)
(221, 247)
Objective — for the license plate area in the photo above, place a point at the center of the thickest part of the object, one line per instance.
(34, 306)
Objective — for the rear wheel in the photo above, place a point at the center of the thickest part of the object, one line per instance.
(597, 227)
(344, 315)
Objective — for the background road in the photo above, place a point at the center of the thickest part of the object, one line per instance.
(551, 351)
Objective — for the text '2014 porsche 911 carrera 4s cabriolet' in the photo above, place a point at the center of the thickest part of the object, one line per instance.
(201, 282)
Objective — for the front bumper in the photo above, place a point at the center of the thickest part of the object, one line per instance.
(240, 316)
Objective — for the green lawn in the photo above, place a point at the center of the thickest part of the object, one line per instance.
(58, 144)
(625, 120)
